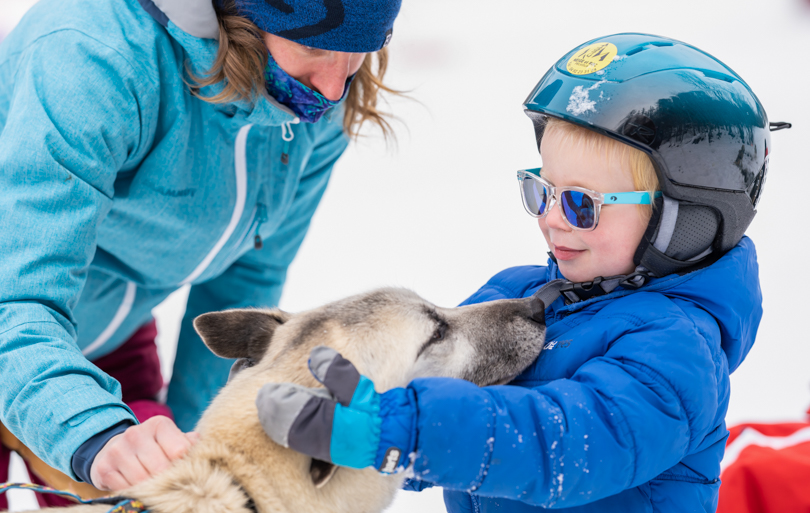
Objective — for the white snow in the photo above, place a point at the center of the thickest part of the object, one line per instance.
(580, 102)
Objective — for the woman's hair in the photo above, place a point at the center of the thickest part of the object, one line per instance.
(242, 58)
(641, 166)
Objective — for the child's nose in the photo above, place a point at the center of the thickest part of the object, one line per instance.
(554, 219)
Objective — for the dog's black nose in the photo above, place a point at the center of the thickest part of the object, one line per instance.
(538, 309)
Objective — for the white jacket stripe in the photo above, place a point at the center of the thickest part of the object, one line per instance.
(240, 163)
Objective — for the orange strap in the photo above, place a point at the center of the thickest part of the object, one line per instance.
(52, 477)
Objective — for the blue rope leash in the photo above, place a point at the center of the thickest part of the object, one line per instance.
(119, 504)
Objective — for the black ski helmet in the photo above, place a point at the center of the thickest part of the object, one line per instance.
(701, 125)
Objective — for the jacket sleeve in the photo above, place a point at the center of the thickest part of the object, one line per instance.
(619, 421)
(67, 131)
(255, 280)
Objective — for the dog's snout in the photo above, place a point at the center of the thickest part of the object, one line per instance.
(538, 310)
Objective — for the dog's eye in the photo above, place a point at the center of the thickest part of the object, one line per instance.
(436, 337)
(439, 333)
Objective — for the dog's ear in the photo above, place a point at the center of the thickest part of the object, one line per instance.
(239, 333)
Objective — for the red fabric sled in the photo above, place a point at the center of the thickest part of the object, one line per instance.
(766, 469)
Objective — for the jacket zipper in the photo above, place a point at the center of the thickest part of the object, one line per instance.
(261, 217)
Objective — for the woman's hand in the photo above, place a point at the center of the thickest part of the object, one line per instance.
(138, 453)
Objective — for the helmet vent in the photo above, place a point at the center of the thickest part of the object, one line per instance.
(635, 50)
(640, 48)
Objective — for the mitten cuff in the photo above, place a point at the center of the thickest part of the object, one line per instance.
(398, 430)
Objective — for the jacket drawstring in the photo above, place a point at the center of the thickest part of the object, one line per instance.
(287, 136)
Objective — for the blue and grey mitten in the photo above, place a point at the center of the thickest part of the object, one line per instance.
(348, 424)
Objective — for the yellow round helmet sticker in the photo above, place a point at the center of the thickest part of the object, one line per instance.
(592, 58)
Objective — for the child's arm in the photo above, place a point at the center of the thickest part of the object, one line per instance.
(619, 421)
(624, 417)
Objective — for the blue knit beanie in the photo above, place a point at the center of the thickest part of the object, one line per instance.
(343, 25)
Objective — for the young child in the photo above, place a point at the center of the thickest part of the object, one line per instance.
(654, 154)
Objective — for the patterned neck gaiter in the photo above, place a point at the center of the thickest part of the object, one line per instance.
(307, 104)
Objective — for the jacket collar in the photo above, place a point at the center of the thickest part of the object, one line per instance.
(728, 290)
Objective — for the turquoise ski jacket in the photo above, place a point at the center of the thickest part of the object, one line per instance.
(623, 411)
(117, 187)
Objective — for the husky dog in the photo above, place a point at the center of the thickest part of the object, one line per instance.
(391, 335)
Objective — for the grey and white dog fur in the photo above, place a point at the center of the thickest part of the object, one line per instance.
(391, 335)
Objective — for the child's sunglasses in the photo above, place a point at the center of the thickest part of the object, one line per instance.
(580, 206)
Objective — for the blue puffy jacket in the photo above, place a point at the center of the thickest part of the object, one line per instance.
(623, 411)
(118, 186)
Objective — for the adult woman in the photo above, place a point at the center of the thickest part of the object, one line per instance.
(144, 146)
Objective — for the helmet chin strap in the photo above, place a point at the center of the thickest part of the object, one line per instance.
(574, 292)
(678, 239)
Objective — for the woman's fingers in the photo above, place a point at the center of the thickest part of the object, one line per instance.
(173, 442)
(140, 452)
(105, 473)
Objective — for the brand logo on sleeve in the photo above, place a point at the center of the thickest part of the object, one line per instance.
(390, 460)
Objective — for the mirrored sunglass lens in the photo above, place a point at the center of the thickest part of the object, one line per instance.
(535, 196)
(578, 208)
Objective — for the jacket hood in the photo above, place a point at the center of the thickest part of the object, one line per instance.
(194, 17)
(729, 290)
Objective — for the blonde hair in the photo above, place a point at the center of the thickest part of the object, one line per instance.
(641, 167)
(242, 58)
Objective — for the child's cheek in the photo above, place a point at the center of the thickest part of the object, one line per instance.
(544, 228)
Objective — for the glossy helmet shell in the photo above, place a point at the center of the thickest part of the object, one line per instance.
(704, 129)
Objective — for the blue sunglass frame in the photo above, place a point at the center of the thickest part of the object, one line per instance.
(597, 198)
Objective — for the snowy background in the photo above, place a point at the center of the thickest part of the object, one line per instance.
(440, 213)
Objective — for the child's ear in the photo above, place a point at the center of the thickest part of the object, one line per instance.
(239, 333)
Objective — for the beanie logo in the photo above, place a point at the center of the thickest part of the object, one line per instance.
(388, 36)
(333, 19)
